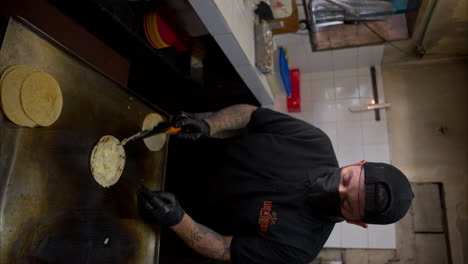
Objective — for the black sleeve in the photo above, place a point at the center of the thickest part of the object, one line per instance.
(254, 249)
(264, 120)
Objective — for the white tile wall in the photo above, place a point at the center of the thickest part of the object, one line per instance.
(320, 75)
(318, 111)
(319, 61)
(297, 51)
(381, 237)
(374, 133)
(346, 235)
(363, 71)
(365, 86)
(334, 240)
(345, 58)
(320, 90)
(350, 153)
(349, 132)
(377, 153)
(346, 87)
(325, 98)
(323, 61)
(353, 236)
(370, 55)
(343, 113)
(351, 72)
(329, 128)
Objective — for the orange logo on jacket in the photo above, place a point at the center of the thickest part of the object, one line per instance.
(267, 216)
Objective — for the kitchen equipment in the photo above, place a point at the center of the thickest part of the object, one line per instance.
(161, 30)
(107, 160)
(294, 101)
(52, 210)
(263, 47)
(150, 25)
(284, 70)
(274, 79)
(163, 127)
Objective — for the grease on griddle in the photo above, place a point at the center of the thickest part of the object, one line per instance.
(78, 238)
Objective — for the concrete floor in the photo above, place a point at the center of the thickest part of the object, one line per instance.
(425, 96)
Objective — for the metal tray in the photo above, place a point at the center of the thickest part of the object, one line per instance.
(52, 210)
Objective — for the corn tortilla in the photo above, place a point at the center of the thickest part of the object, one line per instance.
(10, 85)
(156, 142)
(41, 98)
(107, 161)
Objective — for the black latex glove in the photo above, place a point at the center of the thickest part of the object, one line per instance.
(161, 207)
(192, 127)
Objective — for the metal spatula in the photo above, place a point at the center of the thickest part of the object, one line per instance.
(163, 127)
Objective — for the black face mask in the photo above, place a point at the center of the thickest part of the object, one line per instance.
(323, 195)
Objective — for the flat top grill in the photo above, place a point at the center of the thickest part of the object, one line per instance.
(52, 210)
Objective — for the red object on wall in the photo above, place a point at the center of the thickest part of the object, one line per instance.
(294, 101)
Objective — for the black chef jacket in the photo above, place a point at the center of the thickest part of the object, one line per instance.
(254, 187)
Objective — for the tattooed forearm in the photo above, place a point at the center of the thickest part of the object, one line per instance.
(230, 118)
(213, 250)
(203, 240)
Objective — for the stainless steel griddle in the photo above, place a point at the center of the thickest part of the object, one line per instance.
(52, 210)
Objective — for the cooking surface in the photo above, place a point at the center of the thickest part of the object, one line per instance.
(52, 210)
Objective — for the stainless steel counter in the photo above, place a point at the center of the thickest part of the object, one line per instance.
(52, 210)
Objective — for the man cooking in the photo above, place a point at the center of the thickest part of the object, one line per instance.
(272, 194)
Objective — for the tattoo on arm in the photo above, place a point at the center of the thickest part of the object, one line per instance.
(230, 118)
(203, 240)
(216, 250)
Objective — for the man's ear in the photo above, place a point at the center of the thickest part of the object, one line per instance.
(361, 224)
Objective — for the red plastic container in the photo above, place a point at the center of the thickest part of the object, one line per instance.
(294, 101)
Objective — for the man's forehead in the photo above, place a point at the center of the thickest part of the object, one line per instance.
(362, 191)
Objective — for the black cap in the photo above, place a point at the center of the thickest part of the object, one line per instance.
(388, 193)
